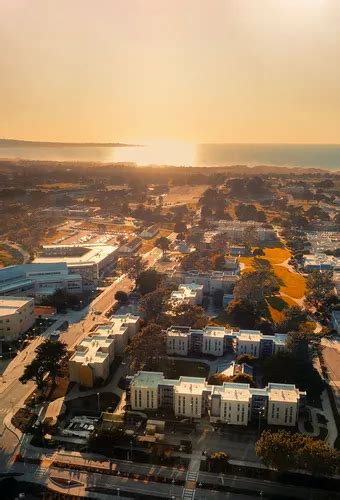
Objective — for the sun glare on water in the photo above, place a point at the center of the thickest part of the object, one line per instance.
(158, 153)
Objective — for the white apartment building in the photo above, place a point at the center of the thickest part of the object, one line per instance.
(122, 327)
(16, 316)
(283, 404)
(321, 262)
(231, 403)
(217, 340)
(213, 341)
(94, 354)
(91, 360)
(190, 293)
(215, 280)
(38, 280)
(89, 260)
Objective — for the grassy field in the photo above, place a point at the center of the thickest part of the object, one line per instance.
(292, 285)
(174, 368)
(184, 194)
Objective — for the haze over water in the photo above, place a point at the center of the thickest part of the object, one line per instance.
(181, 154)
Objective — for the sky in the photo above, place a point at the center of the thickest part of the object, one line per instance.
(233, 71)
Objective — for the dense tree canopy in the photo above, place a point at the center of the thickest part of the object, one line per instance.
(320, 287)
(49, 360)
(147, 348)
(287, 451)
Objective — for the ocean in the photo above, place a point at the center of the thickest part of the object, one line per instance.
(179, 154)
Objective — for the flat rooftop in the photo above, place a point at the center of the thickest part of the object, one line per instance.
(284, 395)
(190, 385)
(95, 254)
(230, 393)
(148, 379)
(9, 305)
(249, 337)
(90, 350)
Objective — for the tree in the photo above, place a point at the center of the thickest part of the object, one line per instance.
(320, 286)
(241, 313)
(132, 266)
(249, 359)
(255, 288)
(52, 355)
(293, 318)
(163, 243)
(218, 462)
(218, 262)
(298, 340)
(154, 304)
(147, 348)
(189, 315)
(243, 378)
(62, 299)
(121, 296)
(258, 252)
(34, 371)
(180, 227)
(148, 281)
(196, 260)
(277, 449)
(287, 451)
(218, 379)
(50, 358)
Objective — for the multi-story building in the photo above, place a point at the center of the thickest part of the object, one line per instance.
(94, 354)
(91, 261)
(212, 281)
(122, 327)
(91, 360)
(38, 280)
(150, 232)
(190, 293)
(131, 246)
(321, 262)
(236, 230)
(231, 403)
(217, 340)
(16, 316)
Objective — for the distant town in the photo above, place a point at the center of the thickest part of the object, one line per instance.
(169, 332)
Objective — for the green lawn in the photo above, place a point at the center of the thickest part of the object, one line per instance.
(176, 368)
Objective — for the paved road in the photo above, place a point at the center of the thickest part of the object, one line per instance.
(81, 327)
(25, 255)
(242, 485)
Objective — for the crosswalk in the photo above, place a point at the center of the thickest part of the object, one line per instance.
(190, 484)
(188, 494)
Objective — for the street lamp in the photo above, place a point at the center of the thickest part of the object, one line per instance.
(261, 414)
(98, 400)
(118, 492)
(172, 489)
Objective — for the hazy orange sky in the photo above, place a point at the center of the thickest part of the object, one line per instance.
(189, 70)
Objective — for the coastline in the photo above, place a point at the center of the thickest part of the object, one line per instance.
(6, 163)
